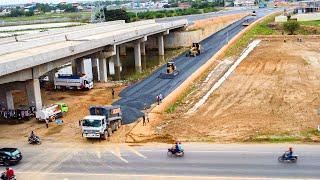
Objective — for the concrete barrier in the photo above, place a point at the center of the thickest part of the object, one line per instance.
(177, 93)
(196, 32)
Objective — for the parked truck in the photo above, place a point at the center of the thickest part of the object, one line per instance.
(102, 121)
(69, 81)
(52, 112)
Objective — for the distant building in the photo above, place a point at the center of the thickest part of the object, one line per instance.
(5, 12)
(184, 5)
(244, 2)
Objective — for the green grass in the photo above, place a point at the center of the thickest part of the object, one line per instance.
(173, 107)
(310, 136)
(310, 23)
(274, 138)
(74, 16)
(260, 29)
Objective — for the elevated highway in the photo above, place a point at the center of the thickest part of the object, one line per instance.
(26, 58)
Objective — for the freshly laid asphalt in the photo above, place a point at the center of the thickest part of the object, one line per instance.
(143, 93)
(201, 161)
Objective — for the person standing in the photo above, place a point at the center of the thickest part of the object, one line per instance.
(158, 99)
(143, 120)
(47, 123)
(112, 92)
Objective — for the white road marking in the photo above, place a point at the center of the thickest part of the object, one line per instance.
(208, 151)
(135, 151)
(150, 176)
(117, 153)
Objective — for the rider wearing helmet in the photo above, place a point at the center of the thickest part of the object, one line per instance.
(289, 153)
(9, 173)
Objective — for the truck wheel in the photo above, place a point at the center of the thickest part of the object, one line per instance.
(104, 135)
(116, 126)
(109, 132)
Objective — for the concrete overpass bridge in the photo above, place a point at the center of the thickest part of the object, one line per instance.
(24, 59)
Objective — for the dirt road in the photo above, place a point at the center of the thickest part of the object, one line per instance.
(78, 101)
(274, 92)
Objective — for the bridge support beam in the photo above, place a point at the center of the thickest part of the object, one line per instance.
(77, 66)
(34, 93)
(160, 45)
(123, 50)
(95, 69)
(117, 61)
(137, 56)
(143, 48)
(103, 73)
(6, 99)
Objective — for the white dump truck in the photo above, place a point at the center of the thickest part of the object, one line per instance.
(69, 81)
(102, 121)
(52, 112)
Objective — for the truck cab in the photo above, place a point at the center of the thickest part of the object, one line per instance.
(110, 118)
(94, 126)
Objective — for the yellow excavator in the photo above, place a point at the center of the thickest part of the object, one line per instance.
(171, 71)
(195, 50)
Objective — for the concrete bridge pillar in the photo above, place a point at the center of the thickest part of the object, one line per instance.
(143, 48)
(117, 61)
(95, 69)
(160, 45)
(34, 93)
(123, 50)
(51, 75)
(137, 56)
(77, 66)
(6, 99)
(103, 73)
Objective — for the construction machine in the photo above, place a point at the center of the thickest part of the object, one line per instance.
(171, 71)
(195, 50)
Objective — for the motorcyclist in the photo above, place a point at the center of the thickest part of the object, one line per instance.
(9, 173)
(289, 153)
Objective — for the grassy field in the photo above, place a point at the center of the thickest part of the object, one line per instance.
(83, 16)
(260, 29)
(310, 23)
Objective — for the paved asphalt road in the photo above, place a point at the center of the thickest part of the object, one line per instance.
(136, 97)
(195, 17)
(201, 161)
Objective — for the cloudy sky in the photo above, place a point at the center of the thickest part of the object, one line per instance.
(5, 2)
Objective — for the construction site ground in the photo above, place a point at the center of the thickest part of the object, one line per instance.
(69, 131)
(273, 96)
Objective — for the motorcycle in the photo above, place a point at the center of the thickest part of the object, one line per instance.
(34, 140)
(285, 159)
(171, 152)
(4, 177)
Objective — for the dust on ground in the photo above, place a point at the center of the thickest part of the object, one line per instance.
(274, 91)
(78, 102)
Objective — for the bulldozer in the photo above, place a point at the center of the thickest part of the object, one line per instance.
(171, 71)
(195, 50)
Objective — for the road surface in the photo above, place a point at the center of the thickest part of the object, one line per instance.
(142, 94)
(201, 161)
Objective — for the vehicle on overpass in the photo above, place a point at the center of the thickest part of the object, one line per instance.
(52, 112)
(10, 156)
(69, 81)
(102, 121)
(195, 50)
(246, 22)
(171, 71)
(262, 5)
(253, 13)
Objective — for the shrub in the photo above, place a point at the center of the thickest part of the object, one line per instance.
(291, 27)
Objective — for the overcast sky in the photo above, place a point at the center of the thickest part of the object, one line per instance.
(6, 2)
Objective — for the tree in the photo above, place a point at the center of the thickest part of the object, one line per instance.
(116, 14)
(291, 27)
